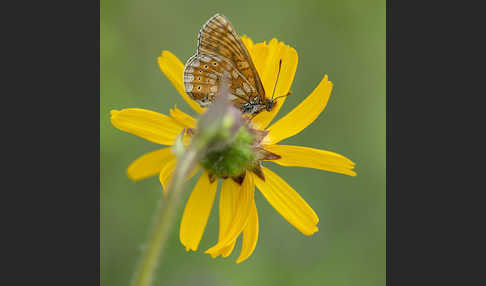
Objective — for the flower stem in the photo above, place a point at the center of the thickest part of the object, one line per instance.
(216, 129)
(164, 219)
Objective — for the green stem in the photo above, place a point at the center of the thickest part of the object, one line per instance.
(216, 129)
(164, 219)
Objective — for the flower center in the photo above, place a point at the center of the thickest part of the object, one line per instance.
(234, 159)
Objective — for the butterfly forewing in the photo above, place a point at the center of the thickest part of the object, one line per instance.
(219, 37)
(221, 53)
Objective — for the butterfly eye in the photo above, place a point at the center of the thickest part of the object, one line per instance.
(199, 78)
(198, 88)
(215, 64)
(205, 66)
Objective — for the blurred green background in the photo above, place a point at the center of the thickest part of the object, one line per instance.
(344, 39)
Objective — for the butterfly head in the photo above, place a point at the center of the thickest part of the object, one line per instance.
(270, 104)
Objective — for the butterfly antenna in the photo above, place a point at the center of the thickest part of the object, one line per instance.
(278, 74)
(289, 93)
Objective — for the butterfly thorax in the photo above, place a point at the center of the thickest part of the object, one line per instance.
(252, 107)
(256, 106)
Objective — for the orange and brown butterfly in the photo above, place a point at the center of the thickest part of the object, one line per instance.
(222, 55)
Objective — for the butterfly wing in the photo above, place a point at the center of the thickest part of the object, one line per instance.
(219, 37)
(203, 74)
(221, 52)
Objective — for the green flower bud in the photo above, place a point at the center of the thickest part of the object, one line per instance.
(232, 160)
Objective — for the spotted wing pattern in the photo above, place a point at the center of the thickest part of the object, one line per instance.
(221, 54)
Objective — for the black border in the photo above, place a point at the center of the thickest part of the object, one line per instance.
(51, 209)
(422, 118)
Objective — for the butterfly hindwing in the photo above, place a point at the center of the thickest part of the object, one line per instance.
(202, 78)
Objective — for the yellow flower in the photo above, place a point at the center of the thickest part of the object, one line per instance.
(237, 210)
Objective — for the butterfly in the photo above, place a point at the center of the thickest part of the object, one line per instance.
(221, 55)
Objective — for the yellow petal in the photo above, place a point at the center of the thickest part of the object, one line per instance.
(287, 202)
(250, 236)
(287, 73)
(196, 212)
(149, 164)
(173, 69)
(245, 197)
(268, 74)
(247, 42)
(312, 158)
(258, 53)
(259, 56)
(227, 208)
(301, 116)
(166, 174)
(182, 118)
(150, 125)
(225, 251)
